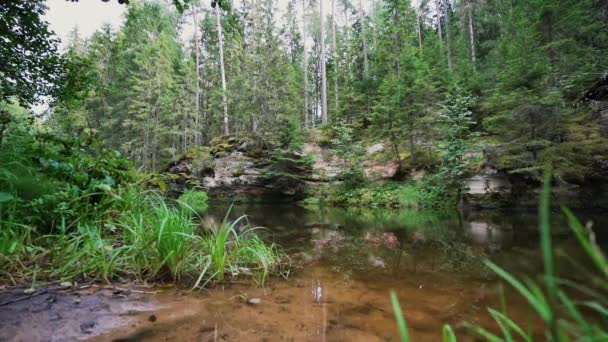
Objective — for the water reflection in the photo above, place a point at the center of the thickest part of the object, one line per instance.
(360, 242)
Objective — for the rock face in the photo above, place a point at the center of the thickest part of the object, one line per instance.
(244, 165)
(489, 188)
(375, 148)
(326, 165)
(380, 170)
(235, 169)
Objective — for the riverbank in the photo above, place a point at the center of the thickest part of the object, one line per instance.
(321, 170)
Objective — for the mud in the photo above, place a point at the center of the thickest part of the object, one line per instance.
(65, 314)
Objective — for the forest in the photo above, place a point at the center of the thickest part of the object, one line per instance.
(150, 151)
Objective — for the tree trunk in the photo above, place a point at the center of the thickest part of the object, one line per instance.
(197, 54)
(412, 142)
(335, 51)
(305, 62)
(419, 25)
(447, 33)
(472, 35)
(363, 41)
(222, 69)
(323, 66)
(439, 29)
(155, 140)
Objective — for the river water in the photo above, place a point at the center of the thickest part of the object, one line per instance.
(348, 262)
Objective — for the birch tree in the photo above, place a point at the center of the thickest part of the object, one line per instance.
(218, 26)
(323, 65)
(335, 53)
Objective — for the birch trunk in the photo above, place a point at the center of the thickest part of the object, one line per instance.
(305, 66)
(439, 29)
(323, 66)
(363, 41)
(472, 35)
(447, 33)
(222, 70)
(335, 51)
(197, 54)
(419, 26)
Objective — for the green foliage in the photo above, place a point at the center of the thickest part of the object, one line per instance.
(403, 334)
(422, 194)
(31, 63)
(55, 178)
(350, 151)
(456, 121)
(288, 170)
(173, 229)
(194, 200)
(234, 249)
(202, 159)
(137, 236)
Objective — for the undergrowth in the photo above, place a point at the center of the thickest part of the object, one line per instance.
(70, 210)
(147, 240)
(391, 194)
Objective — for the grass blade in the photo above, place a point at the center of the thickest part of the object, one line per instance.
(401, 325)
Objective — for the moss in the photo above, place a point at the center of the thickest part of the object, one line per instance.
(202, 159)
(236, 172)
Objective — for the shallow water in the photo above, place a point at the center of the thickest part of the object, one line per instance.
(349, 261)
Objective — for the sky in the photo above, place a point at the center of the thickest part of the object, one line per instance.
(88, 15)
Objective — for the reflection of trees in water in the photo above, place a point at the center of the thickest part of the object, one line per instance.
(389, 241)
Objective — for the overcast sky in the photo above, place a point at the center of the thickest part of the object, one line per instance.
(88, 15)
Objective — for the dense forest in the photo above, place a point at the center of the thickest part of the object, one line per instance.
(387, 103)
(505, 78)
(511, 75)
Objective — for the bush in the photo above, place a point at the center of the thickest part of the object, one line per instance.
(422, 194)
(194, 200)
(55, 178)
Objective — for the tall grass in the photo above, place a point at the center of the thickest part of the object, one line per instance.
(140, 236)
(174, 234)
(234, 249)
(569, 310)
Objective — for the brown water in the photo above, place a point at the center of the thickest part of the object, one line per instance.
(351, 260)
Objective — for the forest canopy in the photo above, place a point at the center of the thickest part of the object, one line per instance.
(386, 68)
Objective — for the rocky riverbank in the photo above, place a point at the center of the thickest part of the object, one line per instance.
(245, 168)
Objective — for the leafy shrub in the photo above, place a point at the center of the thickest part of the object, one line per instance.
(392, 194)
(194, 200)
(55, 178)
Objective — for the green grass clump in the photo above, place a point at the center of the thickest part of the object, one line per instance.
(234, 249)
(173, 231)
(138, 236)
(194, 200)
